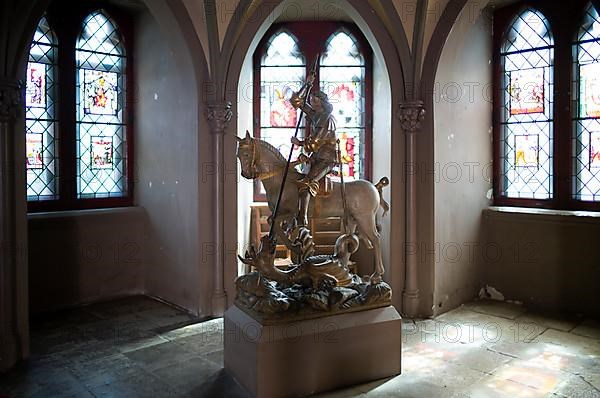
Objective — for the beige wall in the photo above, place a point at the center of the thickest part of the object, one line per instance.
(196, 11)
(382, 159)
(84, 256)
(245, 188)
(462, 117)
(435, 9)
(407, 11)
(168, 165)
(545, 259)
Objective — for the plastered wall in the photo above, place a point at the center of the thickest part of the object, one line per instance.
(167, 169)
(462, 115)
(85, 256)
(548, 260)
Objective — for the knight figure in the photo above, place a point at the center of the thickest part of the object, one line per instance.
(320, 144)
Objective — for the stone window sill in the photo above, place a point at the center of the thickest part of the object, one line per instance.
(526, 213)
(130, 210)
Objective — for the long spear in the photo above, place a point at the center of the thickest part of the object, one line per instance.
(313, 73)
(343, 186)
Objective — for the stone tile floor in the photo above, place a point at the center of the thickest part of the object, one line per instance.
(138, 347)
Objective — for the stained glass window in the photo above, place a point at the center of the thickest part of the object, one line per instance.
(101, 129)
(343, 62)
(526, 139)
(282, 72)
(41, 135)
(342, 75)
(586, 118)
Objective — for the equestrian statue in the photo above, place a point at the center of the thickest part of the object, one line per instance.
(293, 197)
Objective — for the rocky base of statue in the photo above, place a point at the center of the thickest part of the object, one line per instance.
(271, 302)
(301, 358)
(318, 286)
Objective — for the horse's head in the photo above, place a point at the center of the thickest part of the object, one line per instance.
(247, 153)
(264, 259)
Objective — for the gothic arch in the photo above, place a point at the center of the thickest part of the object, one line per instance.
(249, 24)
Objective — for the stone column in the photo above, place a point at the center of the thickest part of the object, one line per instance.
(219, 115)
(10, 341)
(411, 114)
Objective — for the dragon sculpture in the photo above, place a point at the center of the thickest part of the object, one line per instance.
(318, 285)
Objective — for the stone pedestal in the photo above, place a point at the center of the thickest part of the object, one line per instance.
(306, 357)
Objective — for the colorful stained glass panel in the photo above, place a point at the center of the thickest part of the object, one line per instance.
(35, 92)
(281, 74)
(342, 74)
(526, 138)
(101, 134)
(41, 124)
(281, 112)
(527, 150)
(347, 100)
(595, 150)
(348, 152)
(34, 148)
(526, 91)
(352, 157)
(589, 76)
(101, 153)
(100, 91)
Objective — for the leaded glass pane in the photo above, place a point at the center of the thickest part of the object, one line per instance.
(530, 30)
(282, 73)
(586, 118)
(100, 90)
(351, 146)
(101, 131)
(526, 141)
(283, 50)
(41, 125)
(342, 75)
(277, 86)
(342, 50)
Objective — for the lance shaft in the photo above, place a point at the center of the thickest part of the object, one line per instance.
(289, 159)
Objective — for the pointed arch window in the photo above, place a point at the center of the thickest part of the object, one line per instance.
(342, 74)
(586, 109)
(41, 132)
(282, 71)
(77, 78)
(526, 131)
(547, 107)
(101, 130)
(281, 63)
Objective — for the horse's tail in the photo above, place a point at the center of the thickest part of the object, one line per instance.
(383, 182)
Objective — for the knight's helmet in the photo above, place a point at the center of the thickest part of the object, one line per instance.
(324, 100)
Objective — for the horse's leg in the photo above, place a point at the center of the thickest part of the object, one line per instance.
(280, 233)
(367, 225)
(351, 226)
(361, 234)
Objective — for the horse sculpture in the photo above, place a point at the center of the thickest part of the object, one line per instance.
(260, 160)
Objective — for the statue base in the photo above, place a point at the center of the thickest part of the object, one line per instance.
(305, 357)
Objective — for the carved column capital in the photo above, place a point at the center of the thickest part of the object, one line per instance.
(10, 99)
(411, 114)
(219, 115)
